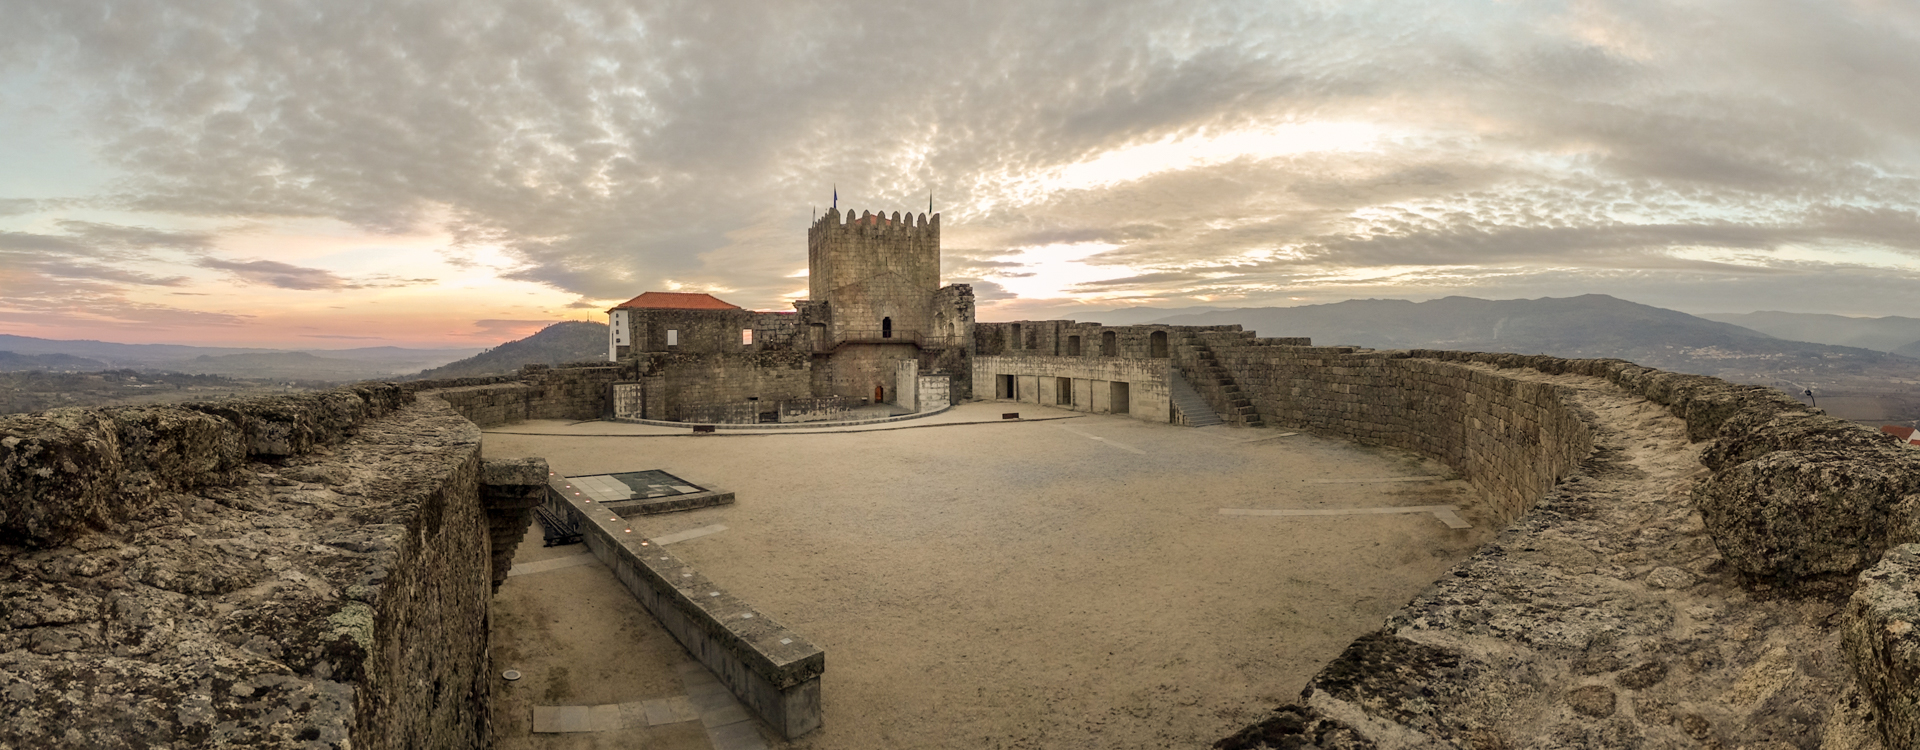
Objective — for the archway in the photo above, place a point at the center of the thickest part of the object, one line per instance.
(886, 328)
(1109, 346)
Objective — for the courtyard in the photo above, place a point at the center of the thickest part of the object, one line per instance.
(1063, 580)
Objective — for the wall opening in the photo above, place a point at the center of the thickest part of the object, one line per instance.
(879, 394)
(746, 337)
(1120, 397)
(1157, 345)
(1003, 387)
(886, 328)
(1063, 391)
(1109, 345)
(1015, 344)
(673, 337)
(1073, 346)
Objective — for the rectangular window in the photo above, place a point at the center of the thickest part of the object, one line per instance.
(746, 337)
(673, 337)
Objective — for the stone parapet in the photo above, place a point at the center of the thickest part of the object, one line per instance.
(334, 597)
(771, 669)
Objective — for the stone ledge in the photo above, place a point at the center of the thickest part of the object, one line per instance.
(771, 669)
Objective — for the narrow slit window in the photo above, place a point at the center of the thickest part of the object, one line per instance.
(886, 328)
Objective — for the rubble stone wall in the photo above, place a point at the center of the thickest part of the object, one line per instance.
(293, 571)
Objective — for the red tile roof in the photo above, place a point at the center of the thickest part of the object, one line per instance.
(676, 301)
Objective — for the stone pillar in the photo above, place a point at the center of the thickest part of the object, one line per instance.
(510, 489)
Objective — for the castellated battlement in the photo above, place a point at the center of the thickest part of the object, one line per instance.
(869, 222)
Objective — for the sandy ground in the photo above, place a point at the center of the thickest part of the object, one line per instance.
(1059, 584)
(578, 638)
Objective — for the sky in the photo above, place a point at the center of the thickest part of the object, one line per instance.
(344, 173)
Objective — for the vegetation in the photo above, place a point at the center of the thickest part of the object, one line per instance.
(557, 344)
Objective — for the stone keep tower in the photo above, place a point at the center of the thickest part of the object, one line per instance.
(877, 274)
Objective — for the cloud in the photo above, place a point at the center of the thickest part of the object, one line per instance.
(277, 274)
(612, 148)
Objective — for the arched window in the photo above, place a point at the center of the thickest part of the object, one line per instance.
(886, 328)
(1108, 346)
(1157, 345)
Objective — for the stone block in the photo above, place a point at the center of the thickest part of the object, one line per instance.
(1790, 515)
(1880, 642)
(515, 471)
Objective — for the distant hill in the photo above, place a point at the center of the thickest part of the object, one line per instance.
(13, 362)
(1593, 325)
(376, 359)
(1886, 334)
(1129, 316)
(280, 365)
(560, 343)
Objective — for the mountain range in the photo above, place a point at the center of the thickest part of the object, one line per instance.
(1889, 334)
(29, 353)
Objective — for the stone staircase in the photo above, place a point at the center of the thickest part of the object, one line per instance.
(1190, 408)
(1202, 369)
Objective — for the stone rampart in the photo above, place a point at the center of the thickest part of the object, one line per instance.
(1529, 638)
(285, 572)
(1511, 439)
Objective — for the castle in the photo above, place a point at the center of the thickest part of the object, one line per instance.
(877, 328)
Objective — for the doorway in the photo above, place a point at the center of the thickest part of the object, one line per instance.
(1121, 395)
(879, 394)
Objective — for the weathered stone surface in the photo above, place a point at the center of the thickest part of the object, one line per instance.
(68, 470)
(1759, 431)
(1606, 617)
(1791, 514)
(338, 596)
(1882, 645)
(528, 472)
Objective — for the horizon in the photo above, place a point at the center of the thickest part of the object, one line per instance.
(1169, 310)
(445, 176)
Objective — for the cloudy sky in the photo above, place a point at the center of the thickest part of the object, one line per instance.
(335, 173)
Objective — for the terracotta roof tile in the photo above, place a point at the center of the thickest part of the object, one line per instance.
(676, 301)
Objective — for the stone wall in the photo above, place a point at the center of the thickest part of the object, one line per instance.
(1090, 383)
(693, 381)
(707, 331)
(293, 571)
(1511, 439)
(578, 391)
(934, 393)
(1527, 639)
(854, 369)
